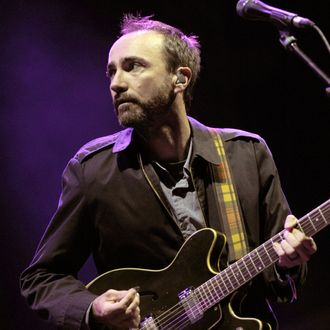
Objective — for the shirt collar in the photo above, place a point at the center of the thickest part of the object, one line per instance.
(186, 165)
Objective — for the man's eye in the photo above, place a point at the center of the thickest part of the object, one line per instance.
(134, 66)
(110, 73)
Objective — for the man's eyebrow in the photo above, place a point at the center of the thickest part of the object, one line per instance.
(133, 58)
(111, 65)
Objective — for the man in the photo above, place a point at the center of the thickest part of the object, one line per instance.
(134, 197)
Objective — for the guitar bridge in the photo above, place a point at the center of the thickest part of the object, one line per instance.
(191, 305)
(148, 324)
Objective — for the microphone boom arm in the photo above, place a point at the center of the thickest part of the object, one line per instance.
(289, 42)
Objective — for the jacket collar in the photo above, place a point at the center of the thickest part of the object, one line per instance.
(123, 140)
(203, 144)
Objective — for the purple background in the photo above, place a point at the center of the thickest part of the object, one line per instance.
(54, 97)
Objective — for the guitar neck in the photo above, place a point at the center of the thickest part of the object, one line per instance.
(246, 268)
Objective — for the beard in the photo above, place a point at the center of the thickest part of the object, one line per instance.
(142, 115)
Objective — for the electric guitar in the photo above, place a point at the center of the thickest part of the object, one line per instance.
(187, 293)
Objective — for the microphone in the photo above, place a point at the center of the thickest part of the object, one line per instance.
(257, 10)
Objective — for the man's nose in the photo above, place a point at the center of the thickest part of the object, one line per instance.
(118, 83)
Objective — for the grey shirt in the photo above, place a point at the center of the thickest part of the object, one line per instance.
(177, 184)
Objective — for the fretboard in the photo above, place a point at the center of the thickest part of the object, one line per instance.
(237, 274)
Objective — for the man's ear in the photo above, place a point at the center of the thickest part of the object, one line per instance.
(182, 78)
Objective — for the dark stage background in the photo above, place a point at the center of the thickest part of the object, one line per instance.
(54, 98)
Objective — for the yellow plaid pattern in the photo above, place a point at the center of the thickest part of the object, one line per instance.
(228, 206)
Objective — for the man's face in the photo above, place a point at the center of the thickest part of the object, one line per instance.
(141, 86)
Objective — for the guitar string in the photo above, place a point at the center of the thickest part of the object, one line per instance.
(261, 253)
(186, 320)
(214, 292)
(182, 322)
(211, 301)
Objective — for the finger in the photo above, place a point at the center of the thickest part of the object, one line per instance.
(134, 304)
(283, 259)
(278, 249)
(304, 246)
(117, 303)
(288, 249)
(294, 237)
(283, 250)
(310, 245)
(114, 295)
(135, 316)
(288, 262)
(290, 222)
(306, 250)
(288, 256)
(131, 320)
(297, 252)
(128, 301)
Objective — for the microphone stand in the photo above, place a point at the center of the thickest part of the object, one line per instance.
(289, 42)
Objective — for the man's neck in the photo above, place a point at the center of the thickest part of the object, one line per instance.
(168, 142)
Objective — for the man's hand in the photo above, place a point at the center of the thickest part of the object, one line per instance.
(117, 308)
(296, 248)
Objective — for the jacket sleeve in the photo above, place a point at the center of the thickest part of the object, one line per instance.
(282, 284)
(50, 285)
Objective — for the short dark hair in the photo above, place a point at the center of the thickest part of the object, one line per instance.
(180, 49)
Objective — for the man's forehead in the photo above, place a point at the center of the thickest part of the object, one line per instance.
(138, 43)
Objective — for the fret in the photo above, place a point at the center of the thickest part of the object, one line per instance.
(322, 215)
(316, 223)
(208, 296)
(266, 260)
(201, 291)
(264, 246)
(239, 269)
(319, 223)
(204, 291)
(281, 236)
(237, 281)
(203, 300)
(260, 258)
(221, 285)
(216, 290)
(308, 226)
(225, 291)
(199, 295)
(299, 224)
(225, 272)
(223, 281)
(250, 256)
(246, 267)
(255, 257)
(271, 251)
(312, 223)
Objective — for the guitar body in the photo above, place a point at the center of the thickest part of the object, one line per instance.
(197, 261)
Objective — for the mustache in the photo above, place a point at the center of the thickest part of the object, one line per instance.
(125, 98)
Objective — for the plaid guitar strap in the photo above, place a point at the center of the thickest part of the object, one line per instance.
(227, 202)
